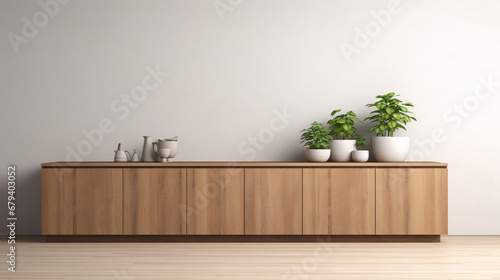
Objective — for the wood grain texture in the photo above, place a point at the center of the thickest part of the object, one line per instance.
(273, 201)
(58, 201)
(339, 201)
(412, 201)
(154, 201)
(253, 164)
(99, 201)
(82, 201)
(455, 257)
(215, 201)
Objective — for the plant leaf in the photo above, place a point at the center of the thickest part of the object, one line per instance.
(334, 112)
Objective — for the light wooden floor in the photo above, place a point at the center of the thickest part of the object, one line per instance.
(454, 258)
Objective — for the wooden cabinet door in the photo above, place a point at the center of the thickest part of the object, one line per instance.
(339, 201)
(273, 201)
(58, 201)
(82, 201)
(154, 201)
(215, 199)
(412, 201)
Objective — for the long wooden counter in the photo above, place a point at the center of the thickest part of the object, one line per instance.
(416, 164)
(368, 201)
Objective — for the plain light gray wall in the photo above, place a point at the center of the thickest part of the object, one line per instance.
(235, 68)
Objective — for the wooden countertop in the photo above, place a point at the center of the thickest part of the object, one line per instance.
(229, 164)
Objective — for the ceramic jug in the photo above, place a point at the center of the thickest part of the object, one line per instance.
(147, 150)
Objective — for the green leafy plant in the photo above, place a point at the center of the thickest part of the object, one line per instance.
(342, 126)
(391, 114)
(316, 137)
(360, 141)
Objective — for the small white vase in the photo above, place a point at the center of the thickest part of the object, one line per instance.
(342, 149)
(390, 149)
(360, 156)
(317, 155)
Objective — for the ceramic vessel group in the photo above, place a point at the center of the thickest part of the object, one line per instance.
(163, 150)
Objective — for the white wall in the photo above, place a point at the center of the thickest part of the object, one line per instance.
(230, 74)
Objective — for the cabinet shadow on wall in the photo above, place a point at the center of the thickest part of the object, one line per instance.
(27, 201)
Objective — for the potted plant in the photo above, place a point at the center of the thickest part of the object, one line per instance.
(316, 139)
(343, 130)
(360, 155)
(391, 115)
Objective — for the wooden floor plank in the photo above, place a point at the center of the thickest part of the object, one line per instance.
(455, 257)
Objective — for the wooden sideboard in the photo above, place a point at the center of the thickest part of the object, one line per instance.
(259, 201)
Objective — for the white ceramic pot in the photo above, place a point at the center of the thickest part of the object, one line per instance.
(317, 155)
(173, 146)
(342, 149)
(165, 144)
(390, 149)
(360, 156)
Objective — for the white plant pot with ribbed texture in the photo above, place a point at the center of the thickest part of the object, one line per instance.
(342, 149)
(317, 155)
(390, 149)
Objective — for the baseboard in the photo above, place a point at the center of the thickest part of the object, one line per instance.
(243, 238)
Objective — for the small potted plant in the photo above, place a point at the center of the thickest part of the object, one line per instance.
(391, 115)
(360, 155)
(343, 130)
(316, 139)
